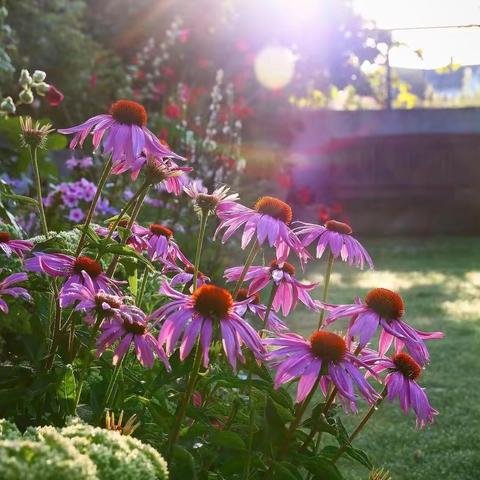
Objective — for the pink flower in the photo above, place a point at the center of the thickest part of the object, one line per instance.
(289, 289)
(9, 246)
(7, 288)
(338, 237)
(76, 215)
(183, 276)
(268, 221)
(122, 133)
(325, 354)
(218, 201)
(403, 371)
(209, 309)
(251, 303)
(61, 265)
(382, 308)
(135, 240)
(91, 301)
(54, 96)
(130, 327)
(160, 244)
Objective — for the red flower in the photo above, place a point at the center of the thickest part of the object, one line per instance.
(173, 111)
(54, 96)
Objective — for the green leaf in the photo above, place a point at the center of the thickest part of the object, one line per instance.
(67, 389)
(227, 440)
(133, 283)
(285, 471)
(275, 423)
(321, 468)
(182, 465)
(21, 199)
(53, 245)
(356, 454)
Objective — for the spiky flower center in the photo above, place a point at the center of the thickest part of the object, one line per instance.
(274, 208)
(134, 327)
(389, 305)
(129, 113)
(4, 237)
(406, 365)
(207, 202)
(286, 267)
(212, 302)
(338, 227)
(160, 230)
(113, 301)
(328, 346)
(87, 264)
(243, 295)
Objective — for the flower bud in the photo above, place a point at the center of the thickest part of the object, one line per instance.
(42, 88)
(26, 96)
(25, 79)
(39, 76)
(7, 105)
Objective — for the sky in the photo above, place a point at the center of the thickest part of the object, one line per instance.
(439, 47)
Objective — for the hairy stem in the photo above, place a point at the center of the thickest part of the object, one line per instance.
(248, 262)
(326, 284)
(91, 211)
(198, 253)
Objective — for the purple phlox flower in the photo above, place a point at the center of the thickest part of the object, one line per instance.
(267, 222)
(61, 265)
(161, 245)
(122, 133)
(84, 162)
(382, 308)
(76, 215)
(183, 276)
(136, 240)
(403, 371)
(91, 300)
(209, 309)
(130, 327)
(9, 245)
(338, 237)
(251, 303)
(217, 201)
(288, 289)
(7, 288)
(324, 356)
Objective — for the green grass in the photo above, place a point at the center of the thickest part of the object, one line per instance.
(439, 280)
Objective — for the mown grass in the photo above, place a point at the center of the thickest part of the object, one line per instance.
(439, 280)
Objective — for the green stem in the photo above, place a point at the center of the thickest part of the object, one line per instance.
(248, 262)
(91, 211)
(182, 407)
(360, 426)
(131, 221)
(38, 186)
(110, 388)
(88, 358)
(125, 209)
(143, 286)
(250, 428)
(326, 284)
(273, 292)
(198, 253)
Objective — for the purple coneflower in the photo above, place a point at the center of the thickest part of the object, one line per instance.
(251, 303)
(9, 246)
(183, 276)
(61, 265)
(91, 301)
(338, 237)
(126, 135)
(129, 327)
(325, 355)
(218, 201)
(7, 288)
(382, 308)
(268, 221)
(160, 244)
(135, 240)
(403, 371)
(288, 289)
(208, 309)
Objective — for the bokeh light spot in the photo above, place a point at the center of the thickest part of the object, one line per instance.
(275, 67)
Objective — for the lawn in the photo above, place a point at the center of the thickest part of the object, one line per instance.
(439, 280)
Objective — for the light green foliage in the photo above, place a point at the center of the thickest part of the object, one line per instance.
(77, 451)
